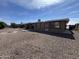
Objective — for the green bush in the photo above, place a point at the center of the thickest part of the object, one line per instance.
(2, 25)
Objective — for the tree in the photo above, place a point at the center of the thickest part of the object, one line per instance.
(13, 25)
(2, 25)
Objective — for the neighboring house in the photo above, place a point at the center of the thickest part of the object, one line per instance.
(56, 26)
(77, 26)
(72, 27)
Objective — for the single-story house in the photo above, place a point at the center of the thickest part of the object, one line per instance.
(56, 26)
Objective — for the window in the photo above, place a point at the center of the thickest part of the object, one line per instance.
(57, 25)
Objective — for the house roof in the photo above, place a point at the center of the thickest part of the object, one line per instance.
(77, 24)
(59, 20)
(56, 20)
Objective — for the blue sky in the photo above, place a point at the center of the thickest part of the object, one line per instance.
(30, 10)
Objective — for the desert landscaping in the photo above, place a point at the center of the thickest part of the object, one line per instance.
(23, 44)
(39, 29)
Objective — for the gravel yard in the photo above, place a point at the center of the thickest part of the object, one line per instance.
(18, 44)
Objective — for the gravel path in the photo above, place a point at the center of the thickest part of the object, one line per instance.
(32, 45)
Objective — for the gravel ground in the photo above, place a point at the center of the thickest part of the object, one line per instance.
(18, 44)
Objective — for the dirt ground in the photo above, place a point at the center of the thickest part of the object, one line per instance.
(19, 44)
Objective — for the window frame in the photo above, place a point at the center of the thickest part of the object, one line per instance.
(57, 25)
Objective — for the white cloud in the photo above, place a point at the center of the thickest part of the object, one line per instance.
(5, 20)
(73, 21)
(35, 4)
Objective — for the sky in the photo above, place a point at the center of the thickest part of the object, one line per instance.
(26, 11)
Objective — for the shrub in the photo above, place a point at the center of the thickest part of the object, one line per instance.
(2, 25)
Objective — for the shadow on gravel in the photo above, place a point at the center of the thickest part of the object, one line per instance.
(64, 35)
